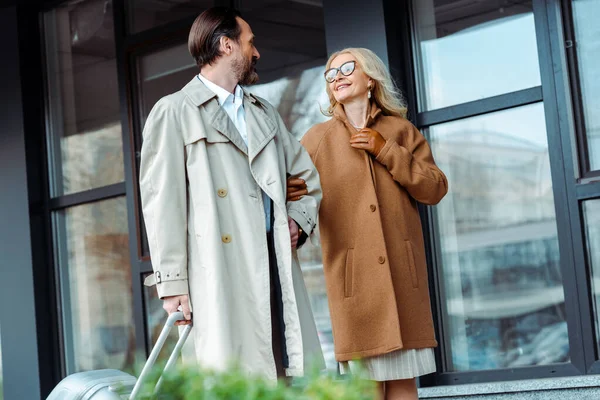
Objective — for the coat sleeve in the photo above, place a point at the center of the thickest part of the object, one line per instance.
(299, 165)
(164, 199)
(413, 167)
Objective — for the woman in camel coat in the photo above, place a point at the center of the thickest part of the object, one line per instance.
(375, 167)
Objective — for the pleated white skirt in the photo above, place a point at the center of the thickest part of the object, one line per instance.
(399, 364)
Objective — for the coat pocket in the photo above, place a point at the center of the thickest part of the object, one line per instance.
(411, 264)
(349, 275)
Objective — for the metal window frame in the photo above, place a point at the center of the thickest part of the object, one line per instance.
(576, 94)
(554, 93)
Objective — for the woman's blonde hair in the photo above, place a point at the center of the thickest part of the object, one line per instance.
(384, 93)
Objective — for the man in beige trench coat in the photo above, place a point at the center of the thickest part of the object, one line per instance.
(214, 164)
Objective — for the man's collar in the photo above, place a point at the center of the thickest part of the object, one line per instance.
(199, 92)
(222, 94)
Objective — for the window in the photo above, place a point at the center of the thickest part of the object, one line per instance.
(587, 45)
(147, 14)
(87, 188)
(591, 213)
(503, 288)
(472, 51)
(85, 143)
(1, 389)
(504, 304)
(95, 275)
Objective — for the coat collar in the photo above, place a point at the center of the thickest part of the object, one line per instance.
(200, 94)
(340, 114)
(260, 127)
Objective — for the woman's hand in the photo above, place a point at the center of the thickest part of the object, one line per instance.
(296, 188)
(369, 140)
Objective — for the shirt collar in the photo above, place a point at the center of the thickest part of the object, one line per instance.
(222, 94)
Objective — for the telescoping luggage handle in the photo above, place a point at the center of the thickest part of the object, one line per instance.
(177, 316)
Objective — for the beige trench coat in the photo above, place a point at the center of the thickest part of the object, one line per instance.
(203, 209)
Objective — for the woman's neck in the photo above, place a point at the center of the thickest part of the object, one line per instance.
(356, 112)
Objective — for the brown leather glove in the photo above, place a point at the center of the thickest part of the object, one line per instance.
(369, 140)
(296, 188)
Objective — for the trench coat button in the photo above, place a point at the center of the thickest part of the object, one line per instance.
(222, 192)
(381, 259)
(226, 238)
(373, 207)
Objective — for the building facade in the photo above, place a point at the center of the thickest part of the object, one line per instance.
(507, 93)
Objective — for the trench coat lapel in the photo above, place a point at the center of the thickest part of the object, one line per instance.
(222, 123)
(203, 96)
(262, 156)
(261, 128)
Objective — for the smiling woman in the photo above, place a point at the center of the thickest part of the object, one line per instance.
(374, 166)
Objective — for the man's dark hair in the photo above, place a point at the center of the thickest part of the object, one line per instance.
(207, 31)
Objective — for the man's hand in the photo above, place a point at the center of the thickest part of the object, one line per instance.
(369, 140)
(171, 304)
(294, 232)
(296, 188)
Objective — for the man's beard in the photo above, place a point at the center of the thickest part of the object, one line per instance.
(245, 70)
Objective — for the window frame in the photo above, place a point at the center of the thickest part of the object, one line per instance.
(568, 194)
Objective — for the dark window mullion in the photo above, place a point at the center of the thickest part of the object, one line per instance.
(88, 196)
(499, 375)
(572, 253)
(119, 15)
(478, 107)
(575, 87)
(145, 267)
(177, 29)
(588, 191)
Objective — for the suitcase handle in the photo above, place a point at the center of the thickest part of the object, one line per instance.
(164, 334)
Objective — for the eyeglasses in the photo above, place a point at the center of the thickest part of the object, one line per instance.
(345, 69)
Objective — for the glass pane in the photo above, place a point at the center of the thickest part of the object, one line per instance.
(314, 278)
(83, 121)
(156, 317)
(290, 36)
(473, 50)
(163, 72)
(147, 14)
(504, 298)
(587, 31)
(95, 281)
(591, 213)
(1, 388)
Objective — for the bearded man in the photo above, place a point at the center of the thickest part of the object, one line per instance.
(214, 168)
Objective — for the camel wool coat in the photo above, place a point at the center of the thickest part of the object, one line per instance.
(371, 237)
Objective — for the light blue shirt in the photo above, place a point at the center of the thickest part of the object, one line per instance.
(233, 104)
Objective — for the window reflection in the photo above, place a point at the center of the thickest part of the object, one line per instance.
(591, 213)
(587, 31)
(95, 275)
(500, 264)
(1, 375)
(147, 14)
(470, 51)
(85, 143)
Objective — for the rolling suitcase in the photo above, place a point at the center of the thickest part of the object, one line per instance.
(112, 384)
